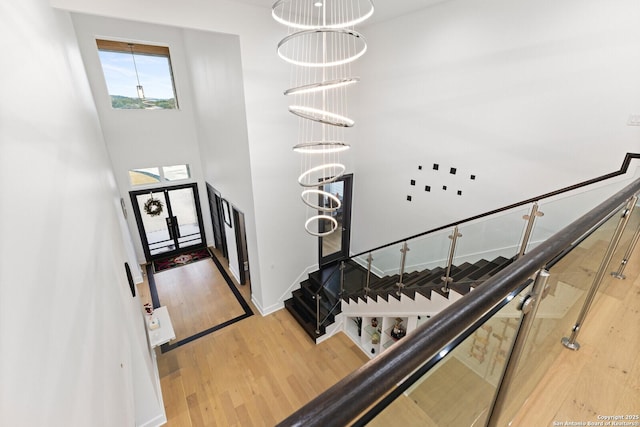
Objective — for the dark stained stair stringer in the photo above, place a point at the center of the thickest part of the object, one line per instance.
(302, 304)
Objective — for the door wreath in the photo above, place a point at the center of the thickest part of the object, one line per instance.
(153, 207)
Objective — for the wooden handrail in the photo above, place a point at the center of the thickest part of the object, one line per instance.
(623, 169)
(341, 403)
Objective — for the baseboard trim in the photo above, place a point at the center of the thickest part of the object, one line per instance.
(160, 420)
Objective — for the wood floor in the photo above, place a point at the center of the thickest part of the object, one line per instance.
(197, 297)
(603, 377)
(255, 372)
(259, 370)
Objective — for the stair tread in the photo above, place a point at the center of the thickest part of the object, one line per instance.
(308, 325)
(302, 304)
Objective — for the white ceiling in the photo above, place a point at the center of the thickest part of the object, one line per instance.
(384, 9)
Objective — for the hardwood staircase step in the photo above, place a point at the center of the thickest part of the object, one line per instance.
(307, 323)
(326, 284)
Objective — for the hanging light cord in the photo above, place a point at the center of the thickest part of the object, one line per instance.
(134, 63)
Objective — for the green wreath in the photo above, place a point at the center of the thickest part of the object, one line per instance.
(153, 207)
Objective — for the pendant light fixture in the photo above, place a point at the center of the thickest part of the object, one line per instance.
(321, 45)
(139, 88)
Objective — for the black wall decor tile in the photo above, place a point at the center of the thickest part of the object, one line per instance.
(453, 170)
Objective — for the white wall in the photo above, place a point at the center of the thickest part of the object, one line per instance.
(143, 138)
(270, 129)
(216, 74)
(73, 349)
(528, 96)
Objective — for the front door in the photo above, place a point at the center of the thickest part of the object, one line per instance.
(169, 220)
(335, 246)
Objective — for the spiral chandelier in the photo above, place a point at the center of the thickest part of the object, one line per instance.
(321, 45)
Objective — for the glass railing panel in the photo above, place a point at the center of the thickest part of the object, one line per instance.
(558, 213)
(489, 238)
(428, 252)
(616, 267)
(459, 389)
(354, 277)
(569, 282)
(384, 261)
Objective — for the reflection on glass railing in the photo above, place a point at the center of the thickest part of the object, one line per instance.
(459, 390)
(561, 211)
(503, 231)
(569, 281)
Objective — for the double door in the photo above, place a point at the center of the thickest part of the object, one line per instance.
(169, 220)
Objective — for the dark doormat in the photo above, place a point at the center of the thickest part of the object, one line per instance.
(179, 260)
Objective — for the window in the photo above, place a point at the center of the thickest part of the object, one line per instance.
(145, 176)
(138, 76)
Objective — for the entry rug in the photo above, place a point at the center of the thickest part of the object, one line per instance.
(179, 260)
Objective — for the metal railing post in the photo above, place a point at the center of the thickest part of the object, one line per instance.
(627, 255)
(318, 313)
(342, 267)
(529, 309)
(403, 250)
(531, 218)
(452, 250)
(367, 289)
(570, 342)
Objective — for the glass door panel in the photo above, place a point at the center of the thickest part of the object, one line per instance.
(335, 246)
(173, 223)
(332, 243)
(184, 217)
(155, 226)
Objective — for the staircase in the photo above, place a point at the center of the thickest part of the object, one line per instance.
(303, 304)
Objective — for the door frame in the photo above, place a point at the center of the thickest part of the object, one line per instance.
(139, 223)
(344, 252)
(217, 219)
(241, 244)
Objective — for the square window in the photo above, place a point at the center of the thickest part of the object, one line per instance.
(444, 187)
(452, 171)
(436, 166)
(138, 76)
(459, 192)
(427, 188)
(413, 182)
(473, 177)
(409, 198)
(419, 167)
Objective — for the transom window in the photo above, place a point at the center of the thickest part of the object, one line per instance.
(138, 76)
(160, 174)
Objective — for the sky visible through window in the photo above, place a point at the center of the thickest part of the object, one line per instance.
(154, 73)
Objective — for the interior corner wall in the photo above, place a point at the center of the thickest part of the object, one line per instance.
(216, 75)
(528, 97)
(144, 138)
(71, 331)
(279, 248)
(245, 141)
